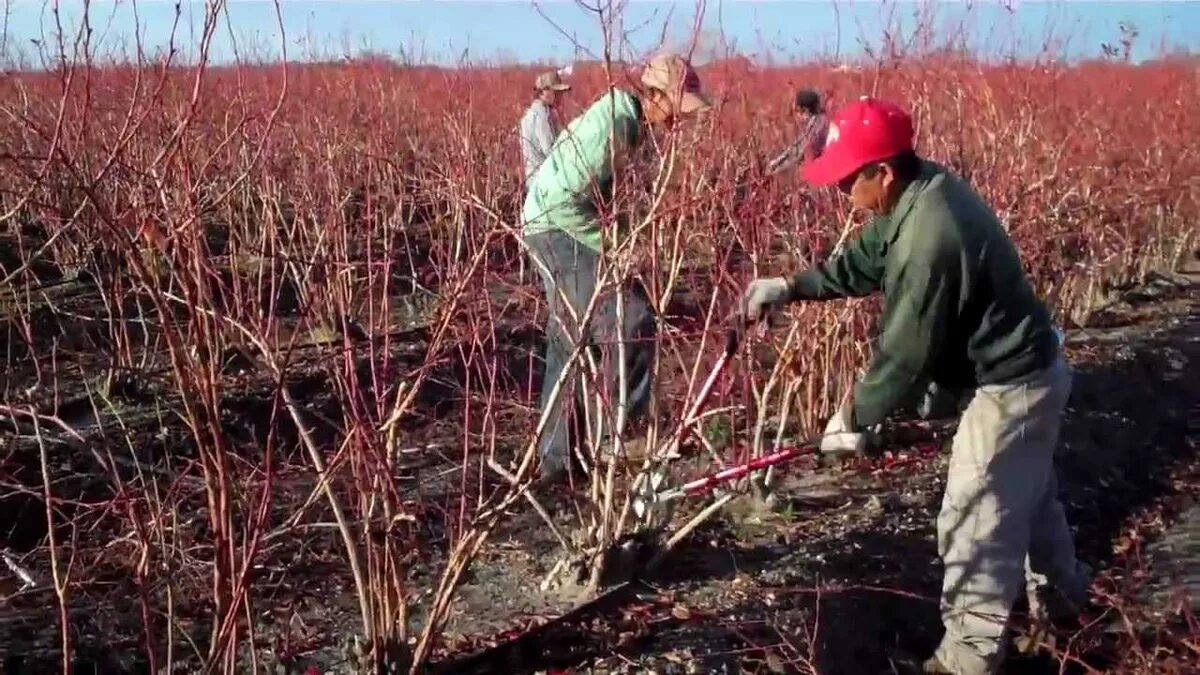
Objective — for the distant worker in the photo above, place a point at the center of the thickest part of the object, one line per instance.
(562, 230)
(538, 128)
(815, 126)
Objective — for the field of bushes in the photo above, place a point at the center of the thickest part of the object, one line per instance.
(268, 330)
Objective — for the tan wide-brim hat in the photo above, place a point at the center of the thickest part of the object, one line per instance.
(674, 76)
(551, 81)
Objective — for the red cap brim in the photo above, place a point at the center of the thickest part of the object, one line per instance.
(830, 168)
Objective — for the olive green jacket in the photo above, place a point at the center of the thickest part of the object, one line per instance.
(958, 308)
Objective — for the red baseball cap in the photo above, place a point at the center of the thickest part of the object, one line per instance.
(868, 130)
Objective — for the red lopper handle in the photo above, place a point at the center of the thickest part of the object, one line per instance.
(703, 484)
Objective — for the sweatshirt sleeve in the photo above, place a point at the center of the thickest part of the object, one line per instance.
(855, 273)
(543, 132)
(537, 137)
(922, 299)
(789, 156)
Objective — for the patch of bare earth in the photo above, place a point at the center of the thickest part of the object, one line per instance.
(843, 566)
(837, 570)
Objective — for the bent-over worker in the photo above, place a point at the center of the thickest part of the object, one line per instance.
(960, 312)
(562, 216)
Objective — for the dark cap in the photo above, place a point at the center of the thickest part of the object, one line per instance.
(807, 99)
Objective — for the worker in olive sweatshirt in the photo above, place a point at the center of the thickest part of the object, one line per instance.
(562, 231)
(959, 312)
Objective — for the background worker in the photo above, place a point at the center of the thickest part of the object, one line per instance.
(958, 310)
(538, 128)
(562, 229)
(814, 125)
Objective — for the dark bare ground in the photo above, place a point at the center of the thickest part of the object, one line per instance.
(842, 570)
(848, 568)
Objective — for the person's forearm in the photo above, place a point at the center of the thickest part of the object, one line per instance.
(545, 136)
(784, 160)
(834, 280)
(853, 273)
(805, 285)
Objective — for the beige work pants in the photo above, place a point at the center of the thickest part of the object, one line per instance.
(1001, 517)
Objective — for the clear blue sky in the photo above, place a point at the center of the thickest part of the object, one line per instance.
(445, 31)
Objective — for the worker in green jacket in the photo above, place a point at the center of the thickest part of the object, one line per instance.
(564, 237)
(958, 312)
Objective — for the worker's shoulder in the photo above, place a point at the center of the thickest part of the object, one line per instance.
(948, 204)
(615, 102)
(534, 110)
(949, 219)
(934, 224)
(616, 109)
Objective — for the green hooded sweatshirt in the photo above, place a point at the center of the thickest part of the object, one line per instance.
(577, 174)
(958, 308)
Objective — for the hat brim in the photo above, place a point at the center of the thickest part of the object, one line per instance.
(692, 102)
(559, 87)
(830, 168)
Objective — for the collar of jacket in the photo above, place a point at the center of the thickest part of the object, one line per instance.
(890, 223)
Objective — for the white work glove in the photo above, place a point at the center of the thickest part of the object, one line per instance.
(762, 296)
(938, 403)
(841, 438)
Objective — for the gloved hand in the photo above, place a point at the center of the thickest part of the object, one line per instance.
(938, 403)
(762, 296)
(843, 437)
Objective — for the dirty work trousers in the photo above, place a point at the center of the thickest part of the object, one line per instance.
(1001, 522)
(569, 273)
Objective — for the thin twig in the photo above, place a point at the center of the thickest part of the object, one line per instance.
(533, 501)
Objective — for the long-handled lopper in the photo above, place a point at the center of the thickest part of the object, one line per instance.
(732, 338)
(706, 483)
(650, 489)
